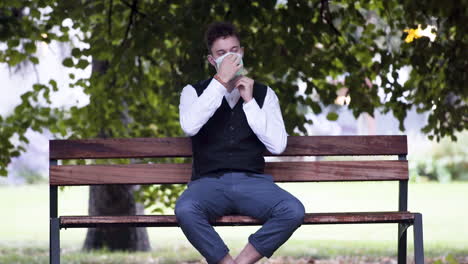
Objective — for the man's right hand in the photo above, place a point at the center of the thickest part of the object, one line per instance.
(228, 68)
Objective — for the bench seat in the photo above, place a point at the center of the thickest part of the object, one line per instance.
(233, 220)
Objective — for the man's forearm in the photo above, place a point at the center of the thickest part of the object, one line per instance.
(267, 124)
(195, 111)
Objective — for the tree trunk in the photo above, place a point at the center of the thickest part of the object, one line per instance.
(114, 200)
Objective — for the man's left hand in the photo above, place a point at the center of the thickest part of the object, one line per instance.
(245, 86)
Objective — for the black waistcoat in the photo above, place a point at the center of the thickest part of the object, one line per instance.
(226, 142)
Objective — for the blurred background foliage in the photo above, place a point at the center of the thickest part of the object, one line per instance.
(444, 161)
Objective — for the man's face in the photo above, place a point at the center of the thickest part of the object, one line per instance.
(222, 46)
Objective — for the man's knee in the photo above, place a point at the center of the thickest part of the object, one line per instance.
(292, 210)
(186, 209)
(297, 212)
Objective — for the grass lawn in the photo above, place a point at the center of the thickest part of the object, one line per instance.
(24, 229)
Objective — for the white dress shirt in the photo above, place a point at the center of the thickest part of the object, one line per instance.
(266, 122)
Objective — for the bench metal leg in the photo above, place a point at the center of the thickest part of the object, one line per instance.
(54, 250)
(418, 240)
(402, 243)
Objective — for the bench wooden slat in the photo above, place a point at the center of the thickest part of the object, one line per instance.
(230, 220)
(181, 147)
(383, 170)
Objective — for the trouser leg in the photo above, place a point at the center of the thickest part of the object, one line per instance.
(200, 203)
(258, 196)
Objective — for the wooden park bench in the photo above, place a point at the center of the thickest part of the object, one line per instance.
(284, 171)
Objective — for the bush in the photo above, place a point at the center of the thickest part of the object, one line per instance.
(444, 162)
(449, 259)
(30, 176)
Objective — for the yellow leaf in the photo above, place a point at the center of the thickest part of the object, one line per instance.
(419, 32)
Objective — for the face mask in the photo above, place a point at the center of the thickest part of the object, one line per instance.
(220, 59)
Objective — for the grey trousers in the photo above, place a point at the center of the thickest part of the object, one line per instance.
(251, 194)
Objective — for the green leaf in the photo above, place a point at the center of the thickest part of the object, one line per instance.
(13, 43)
(34, 59)
(76, 52)
(314, 105)
(68, 62)
(37, 87)
(35, 13)
(53, 83)
(332, 116)
(30, 47)
(82, 64)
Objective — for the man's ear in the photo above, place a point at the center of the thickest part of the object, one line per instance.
(211, 60)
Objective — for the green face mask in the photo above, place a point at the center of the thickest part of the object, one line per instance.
(220, 59)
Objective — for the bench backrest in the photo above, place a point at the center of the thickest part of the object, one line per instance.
(284, 171)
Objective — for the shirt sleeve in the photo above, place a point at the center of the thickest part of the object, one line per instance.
(267, 122)
(194, 110)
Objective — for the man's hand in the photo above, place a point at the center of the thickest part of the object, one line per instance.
(245, 86)
(228, 68)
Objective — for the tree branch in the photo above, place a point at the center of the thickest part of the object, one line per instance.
(130, 22)
(134, 8)
(324, 7)
(109, 19)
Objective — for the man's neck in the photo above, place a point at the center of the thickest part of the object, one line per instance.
(231, 84)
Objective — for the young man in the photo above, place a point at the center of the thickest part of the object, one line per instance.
(231, 120)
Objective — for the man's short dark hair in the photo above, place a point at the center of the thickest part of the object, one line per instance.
(218, 30)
